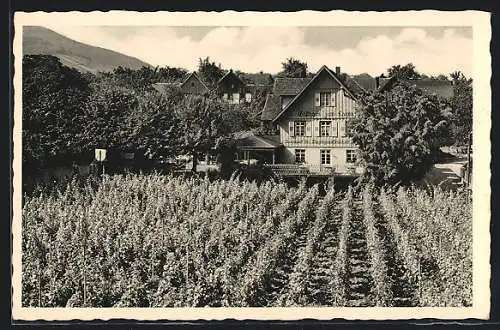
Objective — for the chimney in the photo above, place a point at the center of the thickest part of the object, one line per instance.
(377, 82)
(337, 70)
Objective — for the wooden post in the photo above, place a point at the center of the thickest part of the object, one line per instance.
(274, 157)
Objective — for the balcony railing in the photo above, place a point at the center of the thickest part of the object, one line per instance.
(307, 169)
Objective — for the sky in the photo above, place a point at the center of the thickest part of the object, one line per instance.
(433, 50)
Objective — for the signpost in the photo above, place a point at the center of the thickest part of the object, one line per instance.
(100, 156)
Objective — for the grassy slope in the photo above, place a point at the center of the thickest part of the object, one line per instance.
(83, 57)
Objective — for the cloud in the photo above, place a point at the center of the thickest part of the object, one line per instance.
(253, 49)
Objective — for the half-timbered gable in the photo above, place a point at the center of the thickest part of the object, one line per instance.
(312, 123)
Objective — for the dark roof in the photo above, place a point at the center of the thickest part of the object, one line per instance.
(255, 78)
(231, 73)
(332, 74)
(194, 74)
(253, 88)
(366, 81)
(289, 86)
(352, 84)
(272, 107)
(443, 88)
(163, 87)
(251, 141)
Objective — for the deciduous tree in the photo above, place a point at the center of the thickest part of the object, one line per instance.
(54, 97)
(293, 68)
(399, 134)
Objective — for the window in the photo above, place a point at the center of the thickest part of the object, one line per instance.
(325, 98)
(300, 128)
(248, 97)
(325, 128)
(236, 98)
(325, 157)
(300, 155)
(351, 156)
(224, 97)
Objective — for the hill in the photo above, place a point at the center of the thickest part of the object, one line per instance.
(83, 57)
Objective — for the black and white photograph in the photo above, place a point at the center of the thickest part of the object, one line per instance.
(247, 165)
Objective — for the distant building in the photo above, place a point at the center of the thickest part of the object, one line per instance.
(233, 89)
(442, 88)
(192, 84)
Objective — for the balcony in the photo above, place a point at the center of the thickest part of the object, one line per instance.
(313, 170)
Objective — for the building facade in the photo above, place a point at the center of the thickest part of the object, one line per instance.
(310, 116)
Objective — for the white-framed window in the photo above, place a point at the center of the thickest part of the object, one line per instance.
(325, 127)
(225, 97)
(325, 98)
(325, 157)
(248, 97)
(350, 156)
(236, 98)
(300, 155)
(300, 128)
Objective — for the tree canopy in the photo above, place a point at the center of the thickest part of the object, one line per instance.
(462, 108)
(399, 134)
(407, 71)
(209, 71)
(54, 98)
(293, 68)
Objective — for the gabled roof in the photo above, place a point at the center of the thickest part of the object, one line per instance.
(195, 75)
(324, 68)
(163, 87)
(272, 107)
(443, 88)
(367, 82)
(289, 86)
(230, 72)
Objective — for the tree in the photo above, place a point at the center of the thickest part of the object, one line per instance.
(107, 112)
(399, 134)
(293, 68)
(462, 108)
(209, 72)
(201, 124)
(53, 101)
(407, 71)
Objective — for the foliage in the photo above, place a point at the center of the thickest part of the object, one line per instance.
(160, 241)
(53, 101)
(209, 72)
(407, 71)
(293, 68)
(399, 134)
(201, 121)
(462, 108)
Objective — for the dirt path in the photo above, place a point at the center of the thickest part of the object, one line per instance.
(446, 175)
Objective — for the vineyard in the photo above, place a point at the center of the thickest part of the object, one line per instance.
(157, 241)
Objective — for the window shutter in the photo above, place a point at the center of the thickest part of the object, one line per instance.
(316, 99)
(332, 99)
(334, 128)
(291, 130)
(316, 127)
(308, 128)
(342, 128)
